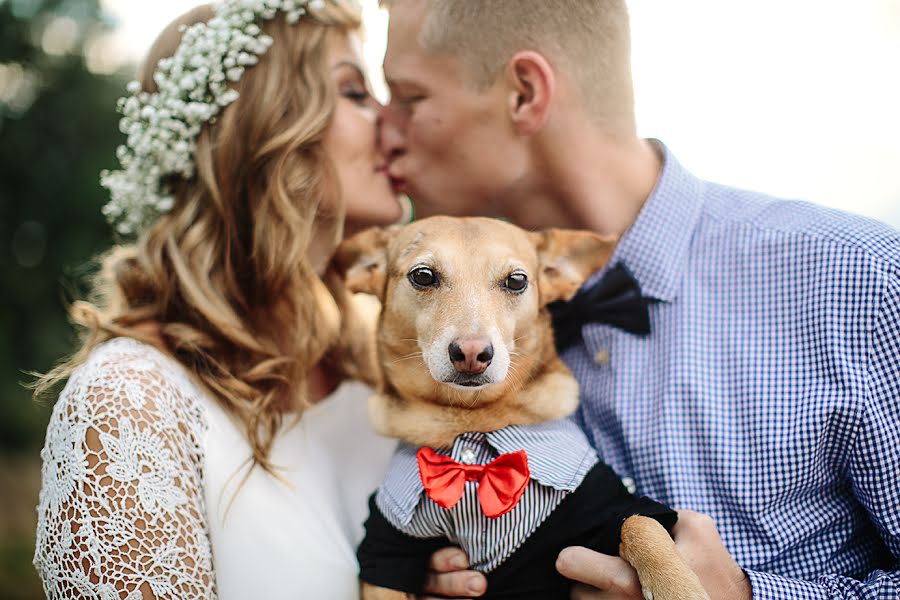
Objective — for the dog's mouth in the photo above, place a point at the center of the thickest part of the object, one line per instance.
(469, 381)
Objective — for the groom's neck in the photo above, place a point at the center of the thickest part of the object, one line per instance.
(589, 182)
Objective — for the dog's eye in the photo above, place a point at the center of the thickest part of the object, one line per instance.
(423, 277)
(517, 282)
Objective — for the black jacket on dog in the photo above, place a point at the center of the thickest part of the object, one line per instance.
(571, 499)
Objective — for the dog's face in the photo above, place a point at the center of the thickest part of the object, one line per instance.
(462, 300)
(467, 292)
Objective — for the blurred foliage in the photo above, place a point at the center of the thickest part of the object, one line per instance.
(51, 152)
(58, 129)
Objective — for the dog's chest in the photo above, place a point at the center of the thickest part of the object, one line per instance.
(489, 541)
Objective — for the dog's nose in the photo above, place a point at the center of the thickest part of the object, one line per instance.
(471, 355)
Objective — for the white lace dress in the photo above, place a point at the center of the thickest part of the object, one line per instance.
(138, 495)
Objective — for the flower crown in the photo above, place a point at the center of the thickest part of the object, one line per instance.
(193, 87)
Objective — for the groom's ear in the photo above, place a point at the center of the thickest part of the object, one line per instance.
(531, 84)
(362, 260)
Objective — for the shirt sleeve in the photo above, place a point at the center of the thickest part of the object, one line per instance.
(874, 470)
(391, 559)
(121, 511)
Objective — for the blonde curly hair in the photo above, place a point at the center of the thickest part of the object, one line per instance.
(224, 278)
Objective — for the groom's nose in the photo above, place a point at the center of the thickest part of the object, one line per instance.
(391, 132)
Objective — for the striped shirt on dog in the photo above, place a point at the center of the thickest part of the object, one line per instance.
(571, 499)
(559, 456)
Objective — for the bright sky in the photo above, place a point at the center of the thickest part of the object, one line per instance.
(795, 98)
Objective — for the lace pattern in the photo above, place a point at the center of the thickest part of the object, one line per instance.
(121, 511)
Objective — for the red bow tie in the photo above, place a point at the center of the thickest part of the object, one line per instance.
(501, 482)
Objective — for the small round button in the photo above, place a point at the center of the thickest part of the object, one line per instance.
(628, 482)
(467, 456)
(602, 357)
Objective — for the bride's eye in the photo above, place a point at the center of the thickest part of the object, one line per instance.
(358, 94)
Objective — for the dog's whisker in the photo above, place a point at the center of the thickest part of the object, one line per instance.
(516, 380)
(523, 336)
(474, 400)
(407, 357)
(513, 373)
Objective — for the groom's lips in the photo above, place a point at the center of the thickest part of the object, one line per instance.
(397, 184)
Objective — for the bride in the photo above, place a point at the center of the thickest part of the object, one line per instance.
(176, 463)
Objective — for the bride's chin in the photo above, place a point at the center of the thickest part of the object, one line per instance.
(399, 213)
(352, 227)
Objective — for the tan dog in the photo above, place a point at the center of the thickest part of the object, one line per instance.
(465, 344)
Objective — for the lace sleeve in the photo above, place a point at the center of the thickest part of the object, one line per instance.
(121, 511)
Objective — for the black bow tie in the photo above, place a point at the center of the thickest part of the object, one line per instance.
(615, 300)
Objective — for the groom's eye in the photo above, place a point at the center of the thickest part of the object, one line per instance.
(409, 100)
(405, 97)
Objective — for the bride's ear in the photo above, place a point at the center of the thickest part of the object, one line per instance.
(362, 260)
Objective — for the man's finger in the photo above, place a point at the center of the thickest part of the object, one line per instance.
(606, 573)
(461, 584)
(447, 560)
(581, 591)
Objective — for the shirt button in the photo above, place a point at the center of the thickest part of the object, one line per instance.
(628, 482)
(602, 357)
(467, 456)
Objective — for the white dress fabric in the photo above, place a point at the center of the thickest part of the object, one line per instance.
(143, 490)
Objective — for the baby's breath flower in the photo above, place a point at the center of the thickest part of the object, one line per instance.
(162, 127)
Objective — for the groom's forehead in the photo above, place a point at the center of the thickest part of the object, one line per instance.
(404, 28)
(411, 65)
(405, 21)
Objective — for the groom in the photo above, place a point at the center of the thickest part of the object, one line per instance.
(767, 391)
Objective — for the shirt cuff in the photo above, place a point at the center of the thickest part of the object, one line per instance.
(775, 587)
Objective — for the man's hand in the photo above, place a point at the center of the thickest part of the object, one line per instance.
(601, 577)
(448, 577)
(605, 577)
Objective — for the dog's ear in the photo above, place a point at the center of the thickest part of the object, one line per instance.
(361, 260)
(567, 258)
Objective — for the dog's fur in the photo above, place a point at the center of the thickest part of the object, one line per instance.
(420, 398)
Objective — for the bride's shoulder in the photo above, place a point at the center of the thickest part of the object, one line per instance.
(126, 379)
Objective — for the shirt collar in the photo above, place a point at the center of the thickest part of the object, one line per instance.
(655, 248)
(559, 456)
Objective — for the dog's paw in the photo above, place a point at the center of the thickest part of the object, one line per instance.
(663, 574)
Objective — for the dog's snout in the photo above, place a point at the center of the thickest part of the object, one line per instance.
(471, 355)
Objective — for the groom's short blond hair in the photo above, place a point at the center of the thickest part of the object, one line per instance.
(587, 39)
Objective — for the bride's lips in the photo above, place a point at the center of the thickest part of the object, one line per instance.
(383, 170)
(398, 184)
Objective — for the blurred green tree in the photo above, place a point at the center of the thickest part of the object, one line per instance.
(58, 129)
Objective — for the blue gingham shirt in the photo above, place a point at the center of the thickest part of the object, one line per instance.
(768, 393)
(559, 457)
